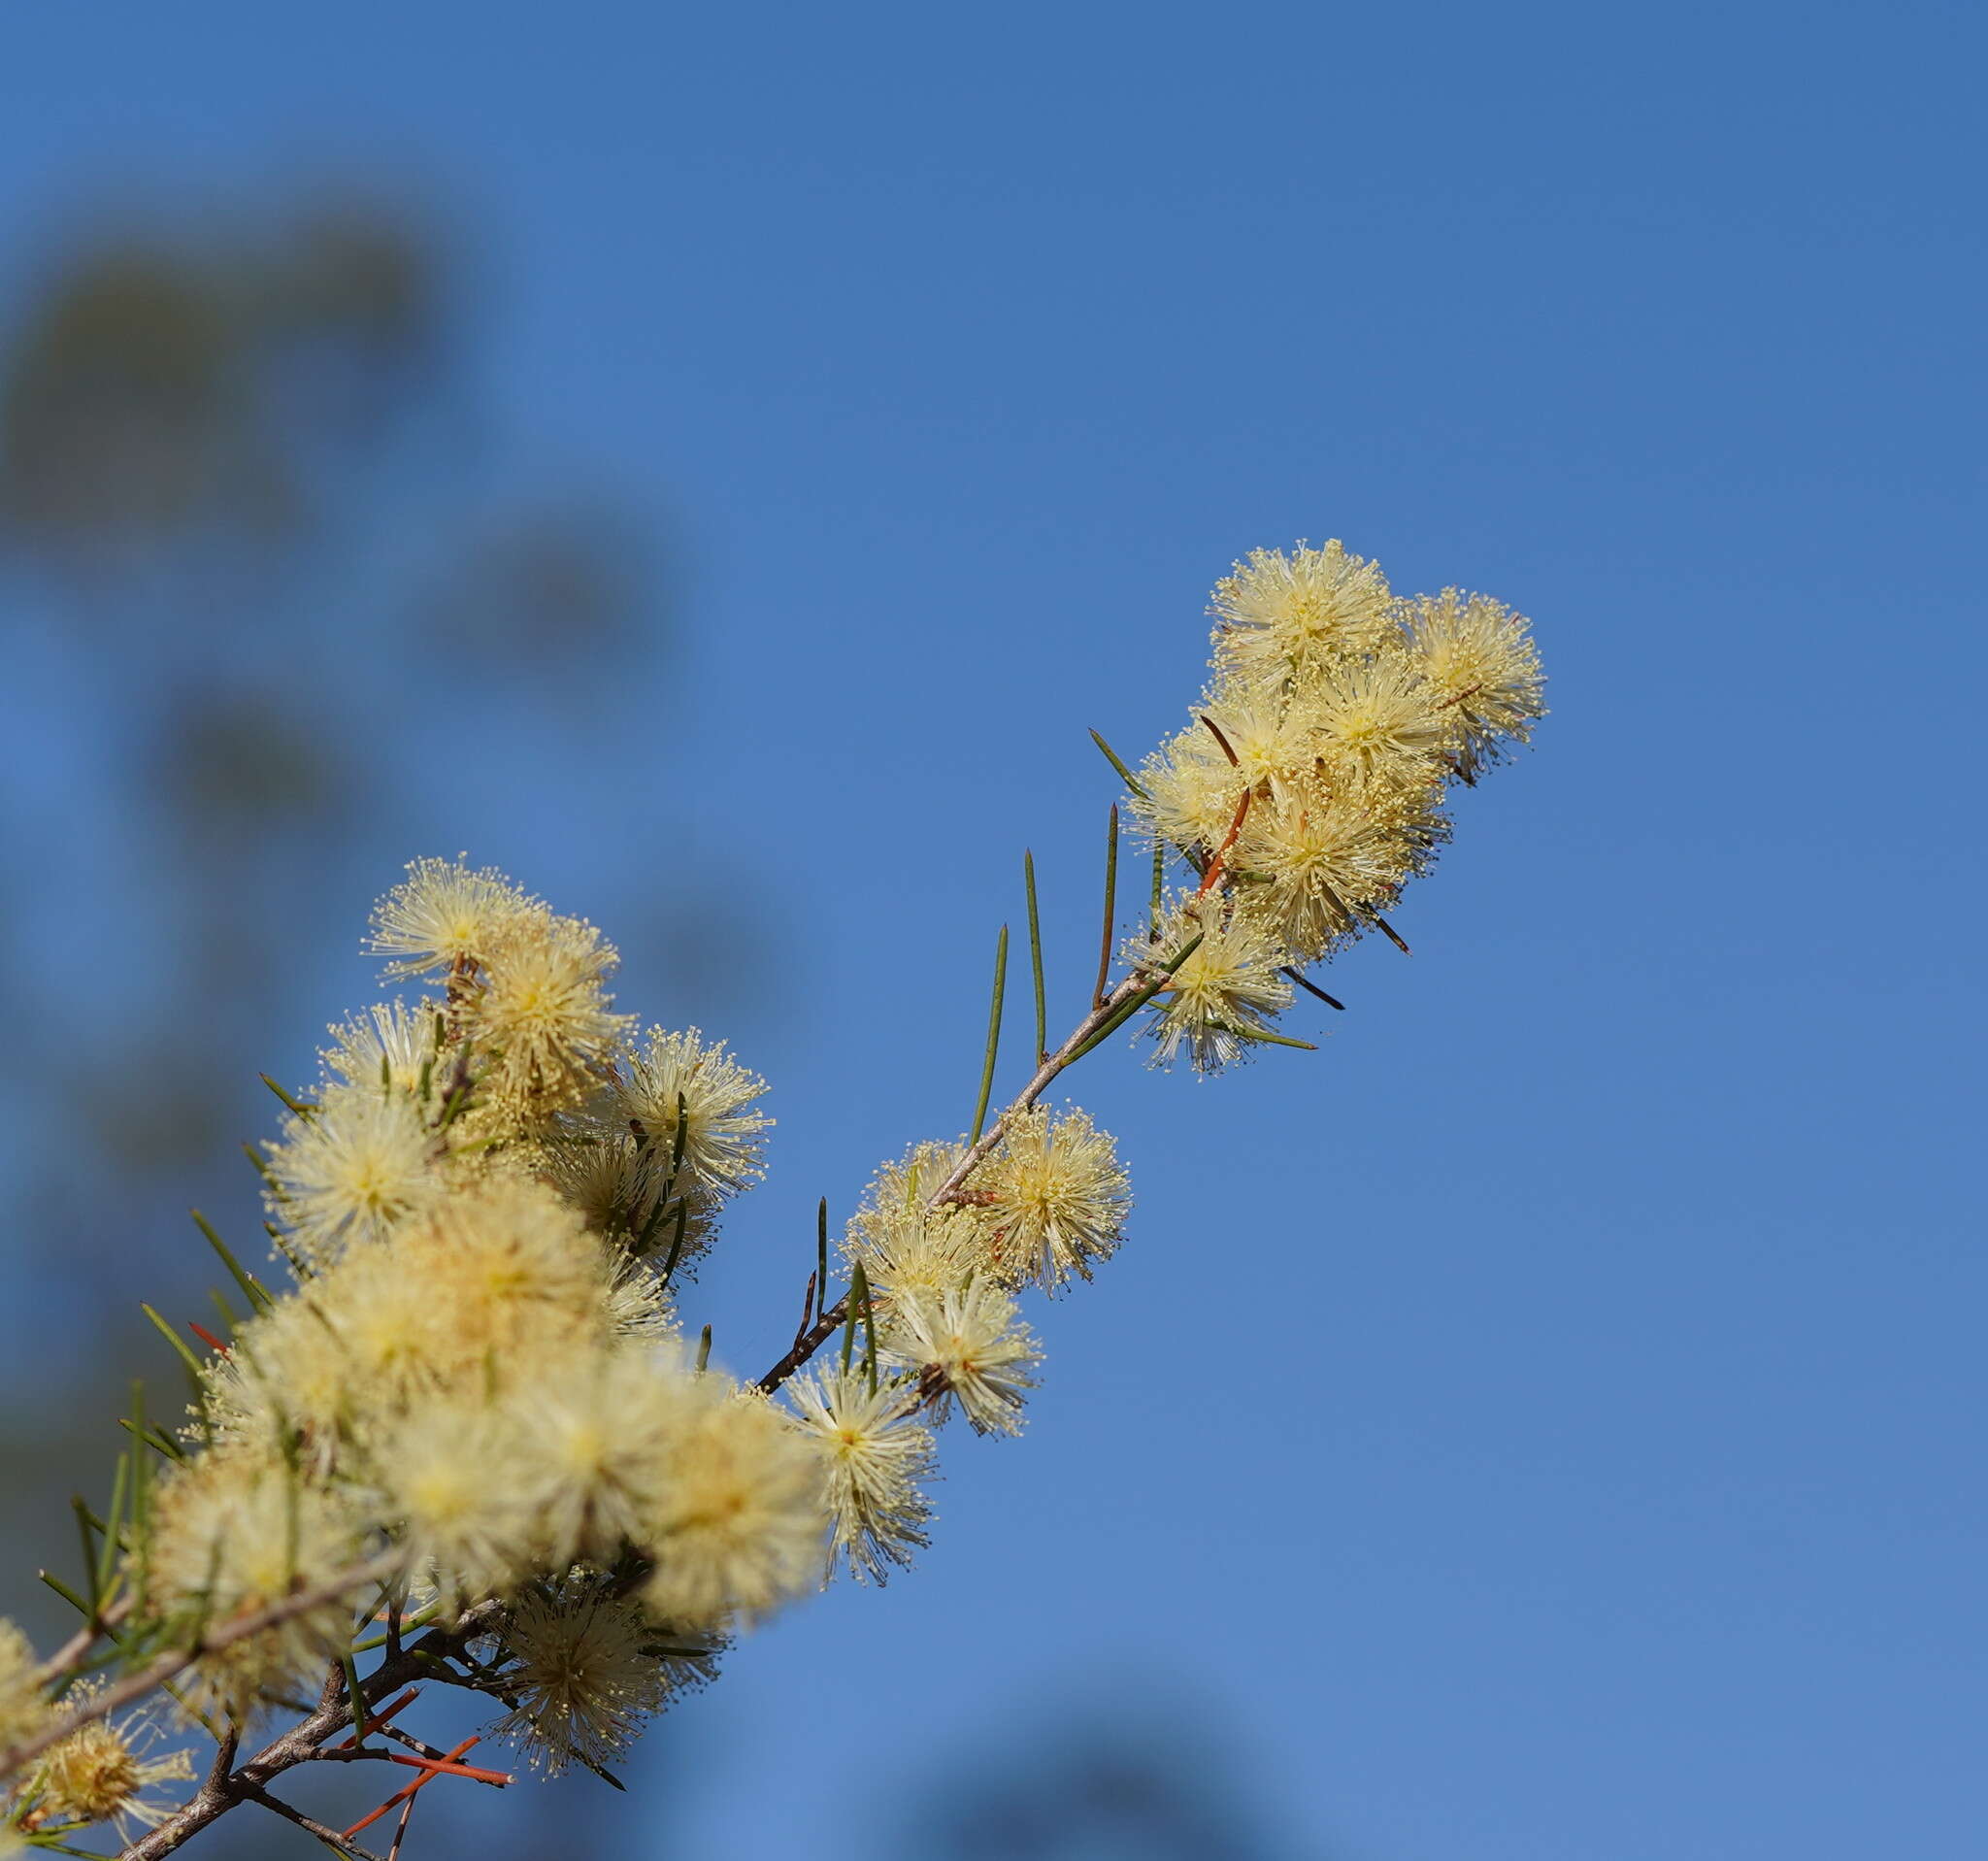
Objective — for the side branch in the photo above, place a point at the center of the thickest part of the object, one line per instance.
(149, 1677)
(222, 1792)
(1098, 1020)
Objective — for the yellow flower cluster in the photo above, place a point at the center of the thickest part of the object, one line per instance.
(486, 1200)
(1307, 788)
(946, 1240)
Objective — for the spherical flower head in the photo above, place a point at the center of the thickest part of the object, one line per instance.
(605, 1178)
(367, 1338)
(1053, 1199)
(445, 917)
(391, 1047)
(619, 1185)
(583, 1679)
(1479, 660)
(904, 1250)
(23, 1710)
(969, 1346)
(639, 1307)
(289, 1371)
(1379, 721)
(350, 1170)
(1325, 855)
(509, 1276)
(1309, 606)
(877, 1455)
(1187, 798)
(545, 1018)
(1264, 739)
(1225, 990)
(902, 1240)
(741, 1521)
(722, 1127)
(233, 1533)
(101, 1771)
(441, 1480)
(911, 1181)
(590, 1452)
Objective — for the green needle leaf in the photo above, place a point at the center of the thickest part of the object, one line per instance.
(257, 1295)
(1028, 867)
(302, 1107)
(821, 1259)
(172, 1336)
(1124, 773)
(993, 1033)
(1111, 907)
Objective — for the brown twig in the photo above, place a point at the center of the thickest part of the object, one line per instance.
(73, 1652)
(344, 1844)
(295, 1746)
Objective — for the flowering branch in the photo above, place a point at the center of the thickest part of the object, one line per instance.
(1106, 1017)
(494, 1198)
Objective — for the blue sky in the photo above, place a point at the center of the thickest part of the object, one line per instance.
(1543, 1423)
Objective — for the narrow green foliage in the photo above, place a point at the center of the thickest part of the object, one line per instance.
(172, 1338)
(262, 1169)
(1266, 1037)
(67, 1595)
(302, 1107)
(153, 1438)
(820, 1259)
(1110, 909)
(355, 1697)
(456, 1101)
(141, 1488)
(704, 1348)
(1124, 773)
(258, 1296)
(107, 1557)
(1028, 868)
(84, 1519)
(862, 1286)
(296, 1263)
(408, 1625)
(1310, 987)
(676, 1244)
(682, 1137)
(1131, 1003)
(646, 1240)
(993, 1033)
